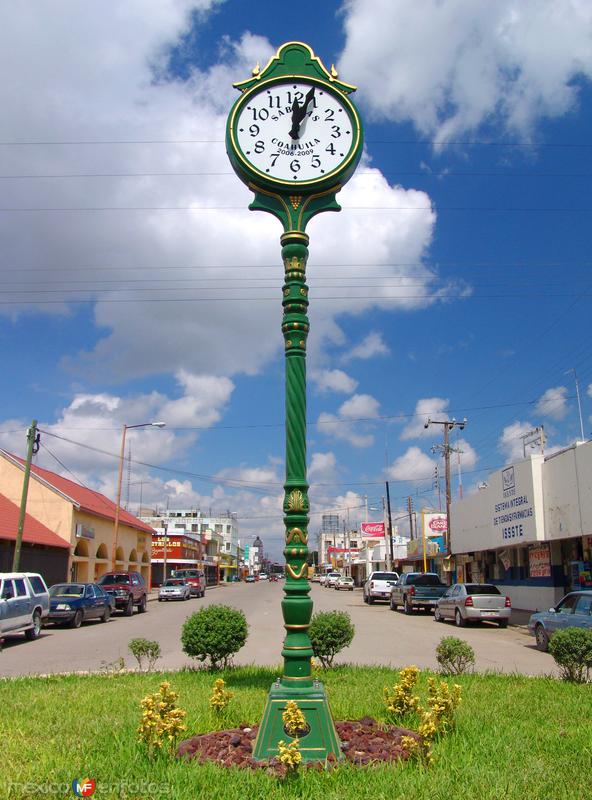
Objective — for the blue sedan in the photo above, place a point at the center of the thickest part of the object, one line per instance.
(574, 611)
(73, 603)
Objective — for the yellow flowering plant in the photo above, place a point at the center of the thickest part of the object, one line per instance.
(402, 700)
(221, 696)
(293, 719)
(289, 754)
(162, 721)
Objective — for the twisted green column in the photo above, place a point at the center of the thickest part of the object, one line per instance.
(297, 605)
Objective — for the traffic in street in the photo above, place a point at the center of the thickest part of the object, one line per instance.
(382, 637)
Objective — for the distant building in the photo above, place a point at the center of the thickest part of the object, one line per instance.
(81, 518)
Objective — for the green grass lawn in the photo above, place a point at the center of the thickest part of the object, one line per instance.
(518, 738)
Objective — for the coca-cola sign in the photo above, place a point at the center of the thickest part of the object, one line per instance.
(373, 530)
(436, 524)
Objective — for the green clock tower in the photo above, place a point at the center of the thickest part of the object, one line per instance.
(294, 137)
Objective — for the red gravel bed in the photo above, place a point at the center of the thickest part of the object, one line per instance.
(363, 742)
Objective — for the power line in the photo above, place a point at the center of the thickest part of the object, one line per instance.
(430, 209)
(415, 142)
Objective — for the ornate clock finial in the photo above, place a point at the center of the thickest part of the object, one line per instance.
(256, 70)
(334, 73)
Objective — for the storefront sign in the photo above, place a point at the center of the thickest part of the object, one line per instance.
(435, 524)
(373, 530)
(539, 561)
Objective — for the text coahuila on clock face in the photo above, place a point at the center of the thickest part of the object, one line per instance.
(296, 132)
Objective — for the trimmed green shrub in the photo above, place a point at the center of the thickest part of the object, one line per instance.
(214, 634)
(330, 632)
(454, 655)
(572, 650)
(145, 649)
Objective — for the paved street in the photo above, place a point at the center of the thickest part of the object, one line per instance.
(382, 636)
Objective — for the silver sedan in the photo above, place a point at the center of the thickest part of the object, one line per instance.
(473, 602)
(174, 589)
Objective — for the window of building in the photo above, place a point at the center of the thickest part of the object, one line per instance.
(228, 528)
(219, 528)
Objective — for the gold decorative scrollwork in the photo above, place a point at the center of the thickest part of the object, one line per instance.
(296, 575)
(295, 200)
(296, 501)
(296, 533)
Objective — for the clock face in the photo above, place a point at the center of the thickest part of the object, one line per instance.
(296, 132)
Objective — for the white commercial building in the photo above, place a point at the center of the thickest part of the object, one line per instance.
(529, 528)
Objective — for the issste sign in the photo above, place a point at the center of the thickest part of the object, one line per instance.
(373, 530)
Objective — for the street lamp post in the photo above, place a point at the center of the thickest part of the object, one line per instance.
(294, 180)
(125, 429)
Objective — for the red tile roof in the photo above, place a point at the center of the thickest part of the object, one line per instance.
(34, 532)
(87, 499)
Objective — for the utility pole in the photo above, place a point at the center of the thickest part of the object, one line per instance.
(447, 425)
(410, 512)
(32, 447)
(165, 527)
(390, 525)
(579, 401)
(533, 438)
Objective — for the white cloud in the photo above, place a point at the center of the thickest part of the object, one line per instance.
(553, 403)
(104, 79)
(426, 408)
(468, 455)
(337, 428)
(451, 65)
(372, 345)
(323, 468)
(334, 380)
(413, 465)
(360, 406)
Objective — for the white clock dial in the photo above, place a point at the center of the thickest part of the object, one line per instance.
(298, 142)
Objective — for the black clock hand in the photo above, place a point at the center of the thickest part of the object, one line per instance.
(299, 113)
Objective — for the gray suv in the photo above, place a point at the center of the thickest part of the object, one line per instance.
(24, 603)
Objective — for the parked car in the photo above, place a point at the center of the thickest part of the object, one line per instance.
(323, 579)
(24, 603)
(195, 578)
(273, 578)
(416, 590)
(263, 576)
(573, 611)
(174, 589)
(473, 602)
(332, 578)
(127, 589)
(74, 603)
(250, 579)
(316, 578)
(344, 582)
(378, 586)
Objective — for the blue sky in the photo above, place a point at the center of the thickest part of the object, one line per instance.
(137, 286)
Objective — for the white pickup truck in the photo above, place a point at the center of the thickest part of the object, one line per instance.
(378, 586)
(24, 603)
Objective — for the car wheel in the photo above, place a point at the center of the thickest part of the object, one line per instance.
(407, 607)
(458, 619)
(542, 638)
(33, 633)
(142, 605)
(503, 623)
(437, 615)
(106, 615)
(129, 607)
(77, 620)
(370, 600)
(160, 599)
(392, 604)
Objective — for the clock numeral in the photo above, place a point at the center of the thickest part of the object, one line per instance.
(296, 96)
(274, 158)
(316, 162)
(295, 165)
(254, 130)
(274, 102)
(330, 149)
(336, 131)
(260, 113)
(259, 146)
(330, 115)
